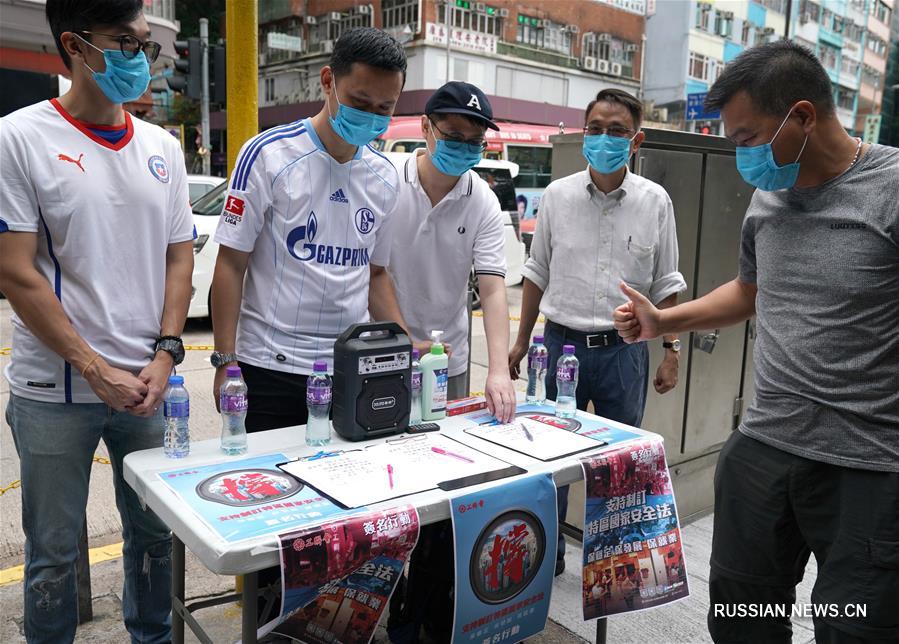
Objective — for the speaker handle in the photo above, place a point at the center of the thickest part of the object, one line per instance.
(355, 330)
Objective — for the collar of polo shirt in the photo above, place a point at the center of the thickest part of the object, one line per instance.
(410, 174)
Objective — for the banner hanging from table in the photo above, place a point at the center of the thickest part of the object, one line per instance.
(505, 545)
(633, 556)
(337, 578)
(246, 498)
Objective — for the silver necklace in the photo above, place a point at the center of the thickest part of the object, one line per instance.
(858, 151)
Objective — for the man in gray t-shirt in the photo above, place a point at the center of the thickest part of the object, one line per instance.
(815, 465)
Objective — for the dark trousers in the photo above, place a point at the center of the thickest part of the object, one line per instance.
(275, 399)
(613, 378)
(772, 510)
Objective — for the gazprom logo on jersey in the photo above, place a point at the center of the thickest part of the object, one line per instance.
(322, 253)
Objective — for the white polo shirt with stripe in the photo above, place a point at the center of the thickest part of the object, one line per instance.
(105, 214)
(313, 227)
(434, 249)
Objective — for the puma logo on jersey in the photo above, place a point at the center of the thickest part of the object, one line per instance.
(66, 157)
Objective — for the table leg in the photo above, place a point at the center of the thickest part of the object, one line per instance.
(250, 600)
(601, 631)
(177, 588)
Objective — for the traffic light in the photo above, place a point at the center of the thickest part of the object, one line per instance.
(188, 75)
(217, 75)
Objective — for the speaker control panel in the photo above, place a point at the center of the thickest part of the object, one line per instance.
(384, 363)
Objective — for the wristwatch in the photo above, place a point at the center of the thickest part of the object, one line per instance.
(219, 359)
(172, 345)
(674, 346)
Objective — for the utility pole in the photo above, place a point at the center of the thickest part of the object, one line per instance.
(788, 20)
(449, 33)
(205, 146)
(242, 56)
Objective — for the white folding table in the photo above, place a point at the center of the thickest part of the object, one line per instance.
(247, 557)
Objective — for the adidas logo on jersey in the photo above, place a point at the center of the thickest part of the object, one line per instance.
(339, 196)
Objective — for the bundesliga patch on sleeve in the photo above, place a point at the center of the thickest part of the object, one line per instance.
(233, 213)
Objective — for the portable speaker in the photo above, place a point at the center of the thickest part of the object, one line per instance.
(372, 376)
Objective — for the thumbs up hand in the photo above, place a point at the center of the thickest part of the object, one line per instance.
(637, 320)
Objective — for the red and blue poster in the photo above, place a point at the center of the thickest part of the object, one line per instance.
(505, 545)
(337, 578)
(633, 555)
(248, 498)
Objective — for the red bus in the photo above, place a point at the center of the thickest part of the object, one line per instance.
(526, 145)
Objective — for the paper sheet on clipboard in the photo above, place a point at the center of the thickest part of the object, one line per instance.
(395, 468)
(534, 438)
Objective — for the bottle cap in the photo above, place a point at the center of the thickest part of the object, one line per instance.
(437, 349)
(232, 371)
(176, 380)
(415, 354)
(568, 349)
(320, 366)
(538, 339)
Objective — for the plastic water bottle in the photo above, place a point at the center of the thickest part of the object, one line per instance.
(176, 408)
(538, 362)
(566, 383)
(415, 412)
(233, 403)
(318, 401)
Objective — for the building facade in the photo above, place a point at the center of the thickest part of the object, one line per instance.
(690, 42)
(30, 63)
(540, 62)
(889, 129)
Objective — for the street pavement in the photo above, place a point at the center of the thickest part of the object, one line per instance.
(675, 623)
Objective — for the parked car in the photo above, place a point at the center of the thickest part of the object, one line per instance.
(199, 184)
(206, 218)
(499, 174)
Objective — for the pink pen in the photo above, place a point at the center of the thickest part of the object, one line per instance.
(390, 474)
(440, 450)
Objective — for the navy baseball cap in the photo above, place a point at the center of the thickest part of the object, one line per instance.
(457, 97)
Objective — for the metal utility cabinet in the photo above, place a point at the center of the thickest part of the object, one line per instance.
(715, 385)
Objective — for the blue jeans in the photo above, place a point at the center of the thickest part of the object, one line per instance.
(56, 444)
(613, 378)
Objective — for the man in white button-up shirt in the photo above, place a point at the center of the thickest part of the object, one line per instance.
(596, 229)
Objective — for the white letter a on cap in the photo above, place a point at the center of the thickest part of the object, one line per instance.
(474, 102)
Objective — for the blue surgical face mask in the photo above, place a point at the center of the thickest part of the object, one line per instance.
(357, 127)
(605, 153)
(454, 157)
(757, 166)
(125, 79)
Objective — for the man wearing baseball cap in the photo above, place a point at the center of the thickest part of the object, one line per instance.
(447, 220)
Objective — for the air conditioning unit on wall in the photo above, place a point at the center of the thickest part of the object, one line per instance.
(615, 69)
(602, 66)
(590, 63)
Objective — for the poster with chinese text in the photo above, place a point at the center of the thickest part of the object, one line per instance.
(633, 556)
(337, 578)
(251, 497)
(505, 545)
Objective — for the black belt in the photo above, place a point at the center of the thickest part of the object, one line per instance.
(592, 340)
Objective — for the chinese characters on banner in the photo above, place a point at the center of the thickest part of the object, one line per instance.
(633, 556)
(338, 578)
(505, 545)
(248, 498)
